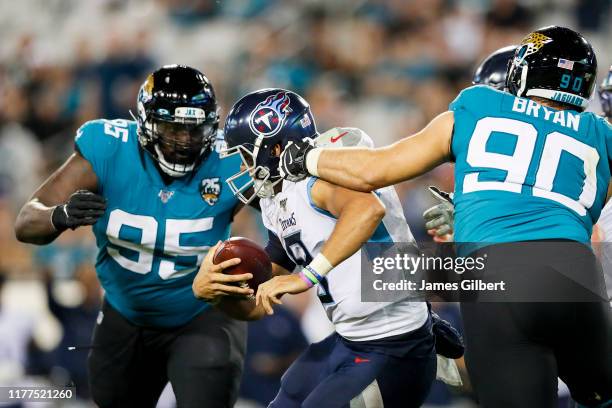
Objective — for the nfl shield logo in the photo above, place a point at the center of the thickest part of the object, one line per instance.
(210, 190)
(165, 195)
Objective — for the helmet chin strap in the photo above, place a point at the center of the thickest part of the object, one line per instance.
(524, 70)
(263, 188)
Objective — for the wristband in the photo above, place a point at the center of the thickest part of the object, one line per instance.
(312, 275)
(316, 270)
(320, 266)
(312, 160)
(56, 215)
(306, 279)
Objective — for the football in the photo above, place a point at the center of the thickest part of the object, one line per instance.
(254, 260)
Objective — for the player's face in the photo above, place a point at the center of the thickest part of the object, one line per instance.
(247, 163)
(181, 143)
(253, 180)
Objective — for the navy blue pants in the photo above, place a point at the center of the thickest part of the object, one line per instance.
(396, 370)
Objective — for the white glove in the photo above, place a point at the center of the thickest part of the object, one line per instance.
(440, 219)
(448, 372)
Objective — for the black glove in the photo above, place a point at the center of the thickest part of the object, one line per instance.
(83, 208)
(292, 164)
(449, 342)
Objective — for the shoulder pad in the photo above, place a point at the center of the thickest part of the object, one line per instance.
(603, 122)
(99, 139)
(471, 95)
(344, 137)
(103, 131)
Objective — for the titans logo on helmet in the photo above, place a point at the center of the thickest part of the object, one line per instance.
(268, 116)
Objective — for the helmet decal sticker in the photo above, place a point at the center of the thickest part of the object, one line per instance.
(533, 42)
(268, 117)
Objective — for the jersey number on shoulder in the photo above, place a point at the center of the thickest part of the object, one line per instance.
(117, 128)
(517, 164)
(141, 258)
(300, 255)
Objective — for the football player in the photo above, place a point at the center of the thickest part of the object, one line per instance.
(152, 190)
(605, 220)
(605, 96)
(491, 72)
(382, 353)
(529, 165)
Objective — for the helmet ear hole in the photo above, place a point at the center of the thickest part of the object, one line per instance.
(276, 150)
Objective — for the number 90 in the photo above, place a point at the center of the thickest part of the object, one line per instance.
(566, 79)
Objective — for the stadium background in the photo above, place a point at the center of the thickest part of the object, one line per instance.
(386, 66)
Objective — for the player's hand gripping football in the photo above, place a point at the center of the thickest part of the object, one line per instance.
(82, 208)
(211, 284)
(292, 164)
(440, 219)
(271, 291)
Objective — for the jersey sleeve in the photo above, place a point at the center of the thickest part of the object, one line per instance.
(465, 107)
(97, 143)
(344, 137)
(277, 253)
(306, 191)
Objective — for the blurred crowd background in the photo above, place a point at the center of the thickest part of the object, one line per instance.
(386, 66)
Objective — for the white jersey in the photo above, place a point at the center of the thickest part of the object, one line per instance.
(303, 228)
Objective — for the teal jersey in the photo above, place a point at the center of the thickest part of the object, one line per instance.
(153, 236)
(524, 171)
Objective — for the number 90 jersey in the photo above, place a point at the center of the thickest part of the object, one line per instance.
(153, 236)
(525, 171)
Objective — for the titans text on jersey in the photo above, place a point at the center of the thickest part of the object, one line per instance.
(153, 235)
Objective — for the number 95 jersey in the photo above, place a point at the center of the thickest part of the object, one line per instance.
(153, 236)
(525, 171)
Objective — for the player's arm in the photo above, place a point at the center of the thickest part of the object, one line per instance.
(358, 215)
(56, 200)
(369, 169)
